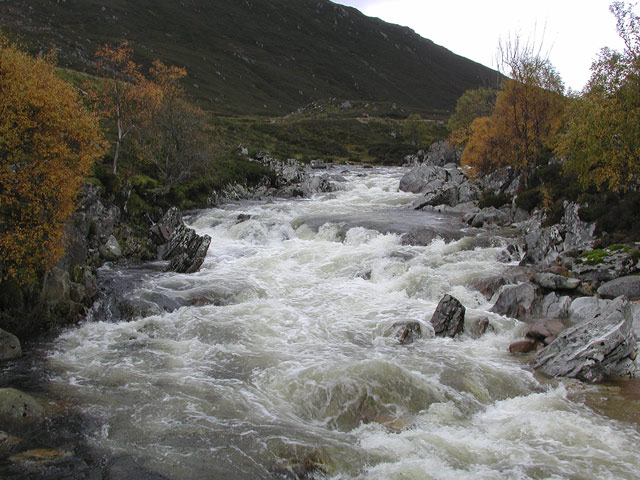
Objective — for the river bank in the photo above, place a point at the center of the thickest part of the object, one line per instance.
(279, 357)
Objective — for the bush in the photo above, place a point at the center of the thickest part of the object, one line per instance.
(529, 199)
(494, 200)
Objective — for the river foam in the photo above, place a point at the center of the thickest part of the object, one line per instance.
(281, 352)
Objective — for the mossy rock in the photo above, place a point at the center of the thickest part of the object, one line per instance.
(17, 407)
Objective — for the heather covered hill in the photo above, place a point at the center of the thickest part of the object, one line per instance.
(260, 56)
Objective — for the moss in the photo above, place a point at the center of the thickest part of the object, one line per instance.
(595, 257)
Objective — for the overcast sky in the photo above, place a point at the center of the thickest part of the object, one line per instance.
(574, 31)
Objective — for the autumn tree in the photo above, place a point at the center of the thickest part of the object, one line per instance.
(528, 114)
(121, 98)
(48, 142)
(474, 103)
(602, 142)
(174, 139)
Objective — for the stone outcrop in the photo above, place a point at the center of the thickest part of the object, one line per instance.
(601, 346)
(544, 246)
(181, 245)
(448, 319)
(10, 348)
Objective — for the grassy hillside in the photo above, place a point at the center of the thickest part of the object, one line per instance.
(257, 57)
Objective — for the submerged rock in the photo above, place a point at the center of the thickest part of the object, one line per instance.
(9, 346)
(407, 332)
(448, 319)
(599, 347)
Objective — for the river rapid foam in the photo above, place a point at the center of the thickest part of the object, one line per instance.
(282, 358)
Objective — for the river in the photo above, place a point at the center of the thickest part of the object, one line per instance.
(282, 357)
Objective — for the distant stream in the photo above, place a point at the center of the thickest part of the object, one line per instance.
(279, 357)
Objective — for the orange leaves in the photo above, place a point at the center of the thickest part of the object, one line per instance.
(48, 141)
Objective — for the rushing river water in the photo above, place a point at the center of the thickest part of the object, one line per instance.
(283, 356)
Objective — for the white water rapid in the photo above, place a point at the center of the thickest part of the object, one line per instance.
(282, 358)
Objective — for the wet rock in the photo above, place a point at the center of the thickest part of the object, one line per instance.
(423, 179)
(546, 330)
(419, 237)
(627, 286)
(8, 443)
(516, 301)
(604, 345)
(448, 319)
(479, 327)
(9, 346)
(17, 407)
(490, 216)
(186, 250)
(523, 346)
(553, 281)
(407, 332)
(513, 253)
(40, 458)
(443, 195)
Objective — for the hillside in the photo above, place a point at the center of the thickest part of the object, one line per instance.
(264, 57)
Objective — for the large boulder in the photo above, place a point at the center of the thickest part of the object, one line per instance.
(9, 346)
(17, 407)
(423, 179)
(627, 286)
(516, 301)
(448, 319)
(186, 250)
(601, 346)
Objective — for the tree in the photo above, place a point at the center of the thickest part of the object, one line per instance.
(48, 142)
(528, 114)
(173, 140)
(472, 104)
(602, 143)
(122, 98)
(414, 130)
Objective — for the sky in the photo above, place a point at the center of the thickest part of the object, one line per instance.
(571, 32)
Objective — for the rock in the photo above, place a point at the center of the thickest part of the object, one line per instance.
(443, 195)
(553, 281)
(441, 153)
(546, 330)
(584, 308)
(17, 407)
(488, 216)
(423, 179)
(479, 327)
(516, 301)
(8, 442)
(39, 458)
(448, 319)
(110, 250)
(504, 180)
(186, 250)
(523, 346)
(9, 346)
(419, 237)
(554, 306)
(57, 286)
(627, 286)
(604, 345)
(407, 332)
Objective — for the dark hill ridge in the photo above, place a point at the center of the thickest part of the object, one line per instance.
(258, 56)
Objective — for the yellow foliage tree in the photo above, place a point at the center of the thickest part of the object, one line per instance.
(122, 99)
(527, 117)
(602, 142)
(48, 142)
